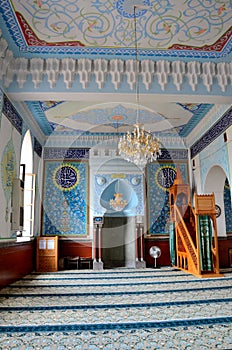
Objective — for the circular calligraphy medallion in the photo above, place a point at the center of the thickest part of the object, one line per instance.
(165, 177)
(66, 177)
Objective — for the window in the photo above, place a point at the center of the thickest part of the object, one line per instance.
(29, 185)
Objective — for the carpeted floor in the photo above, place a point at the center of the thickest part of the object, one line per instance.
(117, 309)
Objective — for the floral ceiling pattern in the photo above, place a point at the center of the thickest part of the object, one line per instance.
(193, 27)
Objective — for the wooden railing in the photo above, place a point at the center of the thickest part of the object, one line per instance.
(187, 252)
(188, 256)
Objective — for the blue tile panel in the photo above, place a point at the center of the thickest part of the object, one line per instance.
(158, 195)
(228, 208)
(217, 129)
(37, 147)
(65, 153)
(65, 208)
(12, 114)
(173, 154)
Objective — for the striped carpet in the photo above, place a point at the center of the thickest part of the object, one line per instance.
(117, 309)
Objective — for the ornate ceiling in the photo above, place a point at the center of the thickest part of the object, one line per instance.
(71, 64)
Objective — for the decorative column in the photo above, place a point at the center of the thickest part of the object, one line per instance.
(100, 243)
(140, 263)
(136, 243)
(129, 242)
(97, 242)
(141, 242)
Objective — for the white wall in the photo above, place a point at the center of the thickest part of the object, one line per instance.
(214, 183)
(7, 133)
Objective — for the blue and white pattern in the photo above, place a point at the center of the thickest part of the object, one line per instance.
(117, 309)
(54, 153)
(211, 135)
(135, 181)
(107, 28)
(228, 208)
(12, 114)
(158, 198)
(65, 210)
(37, 147)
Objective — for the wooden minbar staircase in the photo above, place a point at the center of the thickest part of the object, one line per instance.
(193, 231)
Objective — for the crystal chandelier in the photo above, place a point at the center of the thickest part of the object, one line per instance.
(118, 203)
(138, 146)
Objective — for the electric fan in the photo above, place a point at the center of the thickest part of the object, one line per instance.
(155, 252)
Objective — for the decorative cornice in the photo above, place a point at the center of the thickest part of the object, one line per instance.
(106, 141)
(83, 70)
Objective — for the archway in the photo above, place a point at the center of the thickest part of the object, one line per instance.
(214, 183)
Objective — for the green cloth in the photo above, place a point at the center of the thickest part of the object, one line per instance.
(205, 242)
(172, 243)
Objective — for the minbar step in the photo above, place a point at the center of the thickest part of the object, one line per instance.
(204, 274)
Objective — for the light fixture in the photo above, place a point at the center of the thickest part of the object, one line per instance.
(138, 146)
(118, 203)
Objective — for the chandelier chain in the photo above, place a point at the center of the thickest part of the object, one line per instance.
(138, 146)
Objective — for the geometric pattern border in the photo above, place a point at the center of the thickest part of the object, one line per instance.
(116, 326)
(171, 154)
(65, 153)
(222, 47)
(11, 113)
(216, 130)
(37, 147)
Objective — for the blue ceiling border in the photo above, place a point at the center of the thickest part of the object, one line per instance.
(13, 28)
(196, 118)
(39, 116)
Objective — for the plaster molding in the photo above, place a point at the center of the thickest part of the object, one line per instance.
(105, 141)
(167, 73)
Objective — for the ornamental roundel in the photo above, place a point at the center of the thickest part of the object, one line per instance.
(165, 177)
(66, 177)
(218, 211)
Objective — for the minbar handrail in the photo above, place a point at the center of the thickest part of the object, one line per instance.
(179, 219)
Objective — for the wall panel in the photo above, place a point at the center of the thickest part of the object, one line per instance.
(16, 261)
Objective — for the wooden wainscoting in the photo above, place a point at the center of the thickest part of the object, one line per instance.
(16, 261)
